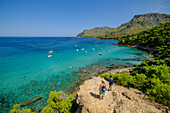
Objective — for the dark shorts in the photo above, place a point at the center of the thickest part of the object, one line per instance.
(110, 83)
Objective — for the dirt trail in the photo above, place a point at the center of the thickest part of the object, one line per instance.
(119, 100)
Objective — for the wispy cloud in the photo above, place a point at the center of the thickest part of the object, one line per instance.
(160, 7)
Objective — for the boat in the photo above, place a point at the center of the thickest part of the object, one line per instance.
(49, 56)
(50, 52)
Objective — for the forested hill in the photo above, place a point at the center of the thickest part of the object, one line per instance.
(157, 39)
(137, 24)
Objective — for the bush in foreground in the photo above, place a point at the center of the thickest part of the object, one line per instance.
(58, 102)
(16, 109)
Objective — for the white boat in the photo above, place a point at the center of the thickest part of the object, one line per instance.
(49, 56)
(50, 52)
(101, 54)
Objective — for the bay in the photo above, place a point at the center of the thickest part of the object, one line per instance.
(27, 72)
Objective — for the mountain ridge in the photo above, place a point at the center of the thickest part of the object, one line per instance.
(137, 24)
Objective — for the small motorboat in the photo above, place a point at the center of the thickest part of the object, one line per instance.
(71, 67)
(50, 52)
(100, 54)
(49, 56)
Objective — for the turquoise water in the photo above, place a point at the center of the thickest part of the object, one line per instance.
(26, 72)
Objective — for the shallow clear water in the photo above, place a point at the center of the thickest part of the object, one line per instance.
(26, 72)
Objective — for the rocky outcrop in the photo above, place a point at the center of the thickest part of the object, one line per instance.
(119, 100)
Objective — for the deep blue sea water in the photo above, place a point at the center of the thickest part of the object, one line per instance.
(26, 72)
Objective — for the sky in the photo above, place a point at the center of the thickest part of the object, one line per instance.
(67, 18)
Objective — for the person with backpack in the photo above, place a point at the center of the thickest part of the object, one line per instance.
(110, 83)
(102, 89)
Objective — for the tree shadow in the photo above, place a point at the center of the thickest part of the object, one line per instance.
(94, 95)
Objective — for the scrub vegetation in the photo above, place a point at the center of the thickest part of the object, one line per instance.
(58, 102)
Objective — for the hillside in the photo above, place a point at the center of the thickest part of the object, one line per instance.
(157, 39)
(137, 24)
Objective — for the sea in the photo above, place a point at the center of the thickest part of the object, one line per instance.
(28, 70)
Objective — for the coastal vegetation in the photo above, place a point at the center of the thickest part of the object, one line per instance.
(156, 39)
(57, 102)
(16, 109)
(138, 24)
(153, 80)
(151, 76)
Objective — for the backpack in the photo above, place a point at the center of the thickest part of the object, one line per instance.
(103, 88)
(111, 80)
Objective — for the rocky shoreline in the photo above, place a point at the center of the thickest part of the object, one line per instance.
(89, 72)
(145, 49)
(112, 71)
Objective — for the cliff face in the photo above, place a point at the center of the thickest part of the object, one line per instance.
(137, 24)
(119, 100)
(96, 32)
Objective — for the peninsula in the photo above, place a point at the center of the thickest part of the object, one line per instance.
(138, 24)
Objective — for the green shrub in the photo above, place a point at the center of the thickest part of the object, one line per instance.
(124, 78)
(16, 109)
(140, 81)
(57, 103)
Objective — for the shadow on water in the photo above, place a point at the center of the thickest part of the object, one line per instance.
(95, 95)
(130, 59)
(137, 54)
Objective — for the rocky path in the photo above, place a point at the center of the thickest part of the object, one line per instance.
(118, 70)
(119, 100)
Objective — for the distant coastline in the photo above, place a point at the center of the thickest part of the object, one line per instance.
(136, 25)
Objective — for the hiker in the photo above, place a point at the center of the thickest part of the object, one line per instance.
(110, 83)
(102, 90)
